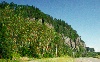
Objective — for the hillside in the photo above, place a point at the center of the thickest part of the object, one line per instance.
(27, 31)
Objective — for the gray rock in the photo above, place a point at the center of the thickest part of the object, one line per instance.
(74, 44)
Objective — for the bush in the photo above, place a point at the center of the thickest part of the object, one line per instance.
(15, 56)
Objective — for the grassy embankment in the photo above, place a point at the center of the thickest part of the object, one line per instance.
(25, 59)
(98, 56)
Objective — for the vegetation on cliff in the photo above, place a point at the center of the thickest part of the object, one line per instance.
(23, 34)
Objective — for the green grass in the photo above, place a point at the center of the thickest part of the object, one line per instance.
(98, 56)
(58, 59)
(25, 59)
(8, 60)
(22, 59)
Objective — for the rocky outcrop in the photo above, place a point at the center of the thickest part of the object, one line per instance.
(74, 44)
(78, 40)
(83, 44)
(67, 41)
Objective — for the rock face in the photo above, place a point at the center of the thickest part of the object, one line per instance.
(74, 43)
(67, 41)
(83, 44)
(78, 40)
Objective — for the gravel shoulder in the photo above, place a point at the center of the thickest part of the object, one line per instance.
(87, 60)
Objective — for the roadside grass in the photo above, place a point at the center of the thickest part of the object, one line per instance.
(58, 59)
(25, 59)
(21, 59)
(98, 56)
(8, 60)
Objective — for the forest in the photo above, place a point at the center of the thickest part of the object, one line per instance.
(27, 31)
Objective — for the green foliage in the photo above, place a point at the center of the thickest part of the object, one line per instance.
(91, 54)
(15, 56)
(20, 35)
(25, 37)
(8, 60)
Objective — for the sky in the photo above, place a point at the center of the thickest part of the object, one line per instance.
(82, 15)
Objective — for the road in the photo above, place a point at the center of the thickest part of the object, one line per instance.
(87, 60)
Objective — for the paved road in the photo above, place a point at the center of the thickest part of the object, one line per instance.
(87, 60)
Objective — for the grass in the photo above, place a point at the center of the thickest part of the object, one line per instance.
(22, 59)
(25, 59)
(98, 56)
(8, 60)
(58, 59)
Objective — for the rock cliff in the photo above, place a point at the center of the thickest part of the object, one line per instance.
(74, 44)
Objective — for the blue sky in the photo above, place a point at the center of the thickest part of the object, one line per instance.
(82, 15)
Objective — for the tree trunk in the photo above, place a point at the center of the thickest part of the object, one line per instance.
(56, 50)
